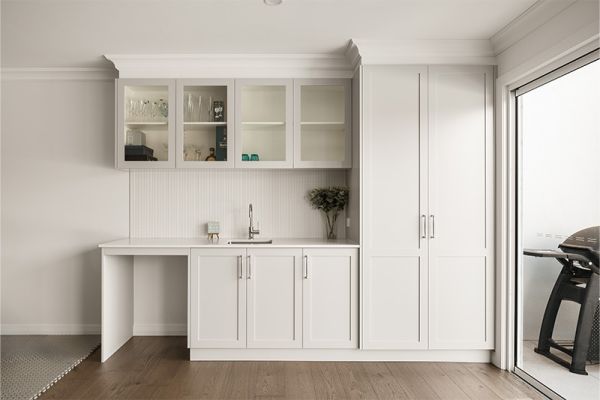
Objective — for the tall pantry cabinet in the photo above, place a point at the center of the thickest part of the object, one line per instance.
(427, 207)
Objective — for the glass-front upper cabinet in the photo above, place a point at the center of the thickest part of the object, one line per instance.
(322, 123)
(204, 137)
(264, 127)
(145, 123)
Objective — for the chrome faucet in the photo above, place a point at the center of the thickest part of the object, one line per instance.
(251, 230)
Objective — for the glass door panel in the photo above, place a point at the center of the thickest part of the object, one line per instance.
(203, 136)
(322, 124)
(264, 127)
(145, 136)
(558, 143)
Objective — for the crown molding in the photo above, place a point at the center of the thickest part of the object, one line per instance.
(231, 65)
(58, 74)
(444, 51)
(531, 19)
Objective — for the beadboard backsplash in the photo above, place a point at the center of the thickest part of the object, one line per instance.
(179, 203)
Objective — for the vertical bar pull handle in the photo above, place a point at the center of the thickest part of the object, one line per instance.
(240, 276)
(305, 267)
(249, 262)
(432, 219)
(423, 226)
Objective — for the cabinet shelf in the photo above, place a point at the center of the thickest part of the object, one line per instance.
(220, 123)
(146, 123)
(264, 123)
(326, 123)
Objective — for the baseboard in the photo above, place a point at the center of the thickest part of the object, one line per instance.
(50, 329)
(476, 356)
(159, 330)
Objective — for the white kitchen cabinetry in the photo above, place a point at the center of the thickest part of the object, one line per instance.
(322, 123)
(264, 123)
(330, 298)
(218, 298)
(274, 298)
(205, 112)
(145, 123)
(461, 208)
(427, 206)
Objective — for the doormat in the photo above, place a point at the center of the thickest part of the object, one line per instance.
(30, 365)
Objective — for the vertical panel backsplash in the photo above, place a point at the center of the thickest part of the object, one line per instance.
(179, 203)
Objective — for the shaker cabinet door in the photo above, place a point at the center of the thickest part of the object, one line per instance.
(274, 298)
(330, 298)
(218, 298)
(394, 201)
(461, 207)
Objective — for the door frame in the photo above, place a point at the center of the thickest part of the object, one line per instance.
(506, 197)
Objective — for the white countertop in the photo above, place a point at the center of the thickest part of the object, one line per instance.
(204, 242)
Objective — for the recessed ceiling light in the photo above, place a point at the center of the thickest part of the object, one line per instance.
(273, 2)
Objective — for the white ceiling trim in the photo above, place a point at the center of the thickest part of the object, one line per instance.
(58, 73)
(531, 19)
(231, 65)
(465, 52)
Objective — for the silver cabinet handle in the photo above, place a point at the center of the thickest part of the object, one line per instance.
(249, 262)
(432, 220)
(423, 226)
(240, 273)
(305, 265)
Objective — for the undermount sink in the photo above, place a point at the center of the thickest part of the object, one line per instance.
(250, 241)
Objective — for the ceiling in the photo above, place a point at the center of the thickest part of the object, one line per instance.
(77, 32)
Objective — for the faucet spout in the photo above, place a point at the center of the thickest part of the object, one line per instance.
(251, 230)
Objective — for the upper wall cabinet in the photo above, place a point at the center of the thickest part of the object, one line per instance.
(145, 123)
(264, 123)
(322, 123)
(204, 132)
(226, 123)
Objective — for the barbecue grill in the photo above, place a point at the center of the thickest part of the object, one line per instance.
(578, 282)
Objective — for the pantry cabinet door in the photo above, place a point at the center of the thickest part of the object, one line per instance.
(330, 298)
(394, 201)
(274, 298)
(218, 298)
(461, 207)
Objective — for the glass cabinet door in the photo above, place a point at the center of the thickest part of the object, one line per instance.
(204, 137)
(145, 123)
(322, 119)
(264, 124)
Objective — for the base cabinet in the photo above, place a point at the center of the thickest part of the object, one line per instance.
(217, 296)
(274, 290)
(330, 298)
(273, 298)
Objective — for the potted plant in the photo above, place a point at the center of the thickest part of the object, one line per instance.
(331, 201)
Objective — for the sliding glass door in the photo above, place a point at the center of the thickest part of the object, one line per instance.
(558, 168)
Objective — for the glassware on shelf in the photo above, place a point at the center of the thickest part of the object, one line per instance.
(218, 108)
(146, 110)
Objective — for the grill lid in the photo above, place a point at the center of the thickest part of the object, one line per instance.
(585, 242)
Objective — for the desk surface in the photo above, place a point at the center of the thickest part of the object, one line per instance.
(222, 243)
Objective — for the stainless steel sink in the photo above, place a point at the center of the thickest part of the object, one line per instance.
(250, 241)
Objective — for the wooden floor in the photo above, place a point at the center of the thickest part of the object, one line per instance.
(157, 368)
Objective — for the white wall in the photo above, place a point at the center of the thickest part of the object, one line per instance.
(61, 196)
